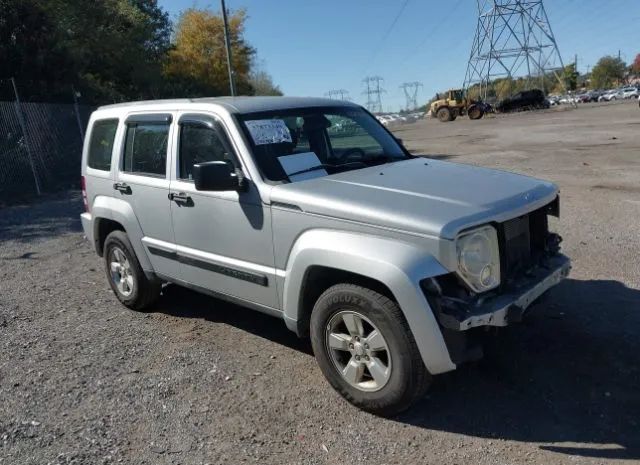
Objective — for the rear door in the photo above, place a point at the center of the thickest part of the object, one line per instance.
(142, 180)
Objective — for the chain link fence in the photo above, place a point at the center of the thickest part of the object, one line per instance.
(40, 144)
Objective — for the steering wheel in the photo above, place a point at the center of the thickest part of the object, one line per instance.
(349, 155)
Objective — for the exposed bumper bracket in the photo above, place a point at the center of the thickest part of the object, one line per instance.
(509, 307)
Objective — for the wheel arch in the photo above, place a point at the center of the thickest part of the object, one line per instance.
(111, 214)
(392, 267)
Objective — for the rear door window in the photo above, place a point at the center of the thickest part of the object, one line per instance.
(146, 148)
(103, 135)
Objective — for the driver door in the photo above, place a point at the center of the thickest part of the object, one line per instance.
(223, 238)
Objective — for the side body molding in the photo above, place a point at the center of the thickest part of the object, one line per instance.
(399, 265)
(121, 211)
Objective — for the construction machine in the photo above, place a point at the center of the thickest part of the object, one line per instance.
(455, 103)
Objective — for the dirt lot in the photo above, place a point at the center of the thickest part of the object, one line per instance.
(85, 381)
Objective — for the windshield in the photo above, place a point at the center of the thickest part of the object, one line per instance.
(324, 141)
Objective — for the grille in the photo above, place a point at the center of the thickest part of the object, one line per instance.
(522, 243)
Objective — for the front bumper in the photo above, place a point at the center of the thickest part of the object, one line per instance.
(504, 308)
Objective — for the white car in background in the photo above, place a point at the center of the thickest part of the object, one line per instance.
(629, 92)
(610, 96)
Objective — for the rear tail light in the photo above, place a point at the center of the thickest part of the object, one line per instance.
(83, 184)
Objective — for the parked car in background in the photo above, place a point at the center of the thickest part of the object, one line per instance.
(583, 98)
(610, 95)
(553, 100)
(629, 92)
(525, 100)
(390, 263)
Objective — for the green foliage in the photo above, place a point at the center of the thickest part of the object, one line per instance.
(114, 50)
(570, 77)
(262, 83)
(608, 72)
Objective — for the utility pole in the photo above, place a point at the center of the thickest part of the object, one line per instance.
(374, 93)
(23, 126)
(411, 94)
(227, 43)
(77, 111)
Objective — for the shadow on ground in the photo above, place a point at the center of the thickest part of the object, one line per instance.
(52, 214)
(184, 303)
(568, 374)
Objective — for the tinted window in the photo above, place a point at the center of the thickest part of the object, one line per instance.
(146, 148)
(103, 134)
(199, 144)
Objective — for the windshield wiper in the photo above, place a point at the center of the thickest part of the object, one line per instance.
(325, 165)
(313, 168)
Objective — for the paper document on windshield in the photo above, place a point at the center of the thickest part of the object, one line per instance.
(301, 162)
(268, 131)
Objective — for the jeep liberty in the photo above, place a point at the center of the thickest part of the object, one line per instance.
(311, 211)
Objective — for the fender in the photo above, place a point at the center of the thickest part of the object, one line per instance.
(399, 265)
(121, 211)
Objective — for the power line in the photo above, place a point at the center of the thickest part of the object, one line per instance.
(386, 34)
(432, 31)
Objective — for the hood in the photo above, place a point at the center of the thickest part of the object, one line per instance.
(420, 195)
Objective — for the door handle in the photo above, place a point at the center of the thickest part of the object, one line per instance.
(122, 187)
(180, 197)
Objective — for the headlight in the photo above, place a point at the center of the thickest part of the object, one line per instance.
(479, 258)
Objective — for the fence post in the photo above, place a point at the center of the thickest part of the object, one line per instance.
(24, 134)
(76, 109)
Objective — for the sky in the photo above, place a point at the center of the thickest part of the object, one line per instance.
(312, 46)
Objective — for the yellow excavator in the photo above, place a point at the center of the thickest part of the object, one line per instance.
(454, 104)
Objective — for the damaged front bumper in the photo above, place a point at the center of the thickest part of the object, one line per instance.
(501, 309)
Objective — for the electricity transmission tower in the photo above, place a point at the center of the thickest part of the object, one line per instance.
(374, 93)
(338, 94)
(513, 40)
(411, 94)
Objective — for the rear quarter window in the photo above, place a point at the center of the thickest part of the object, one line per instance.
(103, 135)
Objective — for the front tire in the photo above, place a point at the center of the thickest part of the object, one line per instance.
(366, 350)
(125, 275)
(444, 114)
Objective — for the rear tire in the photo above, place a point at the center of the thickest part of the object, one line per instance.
(126, 277)
(444, 114)
(393, 375)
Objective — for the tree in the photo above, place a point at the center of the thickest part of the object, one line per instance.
(608, 72)
(262, 83)
(30, 49)
(635, 67)
(109, 50)
(570, 77)
(197, 63)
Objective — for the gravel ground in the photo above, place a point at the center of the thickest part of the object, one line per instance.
(83, 380)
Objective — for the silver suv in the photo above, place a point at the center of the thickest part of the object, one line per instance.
(311, 211)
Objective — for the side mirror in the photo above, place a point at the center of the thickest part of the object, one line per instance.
(215, 176)
(399, 141)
